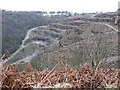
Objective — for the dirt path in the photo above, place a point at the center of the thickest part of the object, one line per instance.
(112, 27)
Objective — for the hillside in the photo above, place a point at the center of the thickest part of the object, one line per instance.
(15, 25)
(92, 42)
(77, 52)
(75, 40)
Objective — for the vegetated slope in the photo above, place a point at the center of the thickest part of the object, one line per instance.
(89, 42)
(74, 38)
(39, 40)
(107, 15)
(16, 24)
(59, 45)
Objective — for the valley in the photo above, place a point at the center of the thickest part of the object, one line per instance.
(74, 40)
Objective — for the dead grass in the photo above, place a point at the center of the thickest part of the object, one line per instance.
(84, 77)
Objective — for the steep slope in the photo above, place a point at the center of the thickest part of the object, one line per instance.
(41, 39)
(15, 25)
(90, 42)
(73, 40)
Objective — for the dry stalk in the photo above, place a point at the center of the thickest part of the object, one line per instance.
(2, 57)
(42, 81)
(1, 61)
(98, 65)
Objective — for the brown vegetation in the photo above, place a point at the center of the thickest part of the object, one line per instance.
(67, 77)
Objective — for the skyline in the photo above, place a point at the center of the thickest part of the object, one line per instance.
(61, 5)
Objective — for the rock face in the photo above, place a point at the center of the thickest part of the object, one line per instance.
(74, 40)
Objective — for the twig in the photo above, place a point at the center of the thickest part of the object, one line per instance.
(98, 65)
(51, 71)
(2, 57)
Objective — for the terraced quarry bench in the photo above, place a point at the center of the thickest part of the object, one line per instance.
(72, 40)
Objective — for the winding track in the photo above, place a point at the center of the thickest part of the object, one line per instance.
(54, 41)
(51, 35)
(108, 25)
